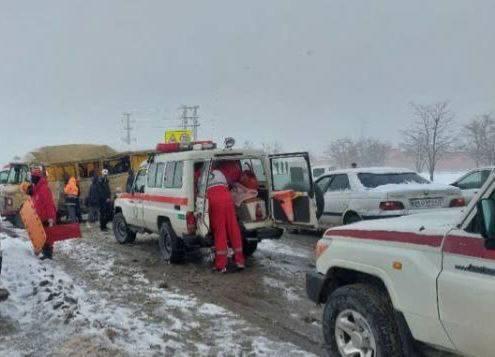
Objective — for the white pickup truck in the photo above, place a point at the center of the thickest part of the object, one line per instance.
(427, 277)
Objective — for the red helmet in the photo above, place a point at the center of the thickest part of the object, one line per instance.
(248, 179)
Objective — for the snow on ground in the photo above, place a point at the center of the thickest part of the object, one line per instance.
(277, 246)
(53, 310)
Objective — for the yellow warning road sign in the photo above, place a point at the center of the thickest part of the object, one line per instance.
(178, 136)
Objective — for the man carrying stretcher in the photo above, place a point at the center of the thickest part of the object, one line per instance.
(43, 203)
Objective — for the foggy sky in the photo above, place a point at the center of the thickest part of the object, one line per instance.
(298, 72)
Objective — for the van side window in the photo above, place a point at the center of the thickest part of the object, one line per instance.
(140, 181)
(152, 175)
(168, 178)
(179, 168)
(160, 172)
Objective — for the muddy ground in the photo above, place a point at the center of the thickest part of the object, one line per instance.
(123, 300)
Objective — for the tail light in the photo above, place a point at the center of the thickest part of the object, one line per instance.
(391, 206)
(191, 222)
(458, 202)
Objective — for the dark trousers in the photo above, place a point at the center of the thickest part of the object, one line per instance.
(105, 215)
(93, 213)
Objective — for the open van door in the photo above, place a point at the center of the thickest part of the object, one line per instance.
(203, 217)
(292, 191)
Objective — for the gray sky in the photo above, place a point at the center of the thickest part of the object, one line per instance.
(299, 72)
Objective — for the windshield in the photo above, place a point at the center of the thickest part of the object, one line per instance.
(17, 174)
(370, 180)
(4, 176)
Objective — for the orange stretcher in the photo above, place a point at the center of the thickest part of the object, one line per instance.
(40, 235)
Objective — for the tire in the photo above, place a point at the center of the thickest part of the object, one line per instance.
(249, 248)
(351, 218)
(171, 247)
(121, 231)
(365, 310)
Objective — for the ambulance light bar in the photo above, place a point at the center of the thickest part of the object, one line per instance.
(177, 147)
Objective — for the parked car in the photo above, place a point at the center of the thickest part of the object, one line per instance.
(471, 182)
(352, 195)
(166, 199)
(319, 170)
(426, 277)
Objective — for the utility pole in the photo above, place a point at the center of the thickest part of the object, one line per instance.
(126, 121)
(190, 113)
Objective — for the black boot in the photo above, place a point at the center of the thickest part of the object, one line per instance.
(47, 252)
(4, 294)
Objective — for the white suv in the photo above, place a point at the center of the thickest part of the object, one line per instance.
(368, 193)
(169, 197)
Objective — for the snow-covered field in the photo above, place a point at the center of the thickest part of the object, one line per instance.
(52, 312)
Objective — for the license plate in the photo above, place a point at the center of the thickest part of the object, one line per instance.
(421, 203)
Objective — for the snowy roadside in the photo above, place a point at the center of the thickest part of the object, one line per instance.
(84, 303)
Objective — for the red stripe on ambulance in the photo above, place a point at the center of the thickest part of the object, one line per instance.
(388, 236)
(180, 201)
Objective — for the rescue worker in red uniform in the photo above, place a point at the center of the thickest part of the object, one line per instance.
(44, 205)
(223, 222)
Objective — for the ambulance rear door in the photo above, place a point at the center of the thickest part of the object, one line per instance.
(292, 192)
(202, 215)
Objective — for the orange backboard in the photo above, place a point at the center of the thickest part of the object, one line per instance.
(33, 225)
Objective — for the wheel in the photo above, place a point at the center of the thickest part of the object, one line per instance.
(358, 320)
(351, 218)
(121, 231)
(171, 247)
(249, 248)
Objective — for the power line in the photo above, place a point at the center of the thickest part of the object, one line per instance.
(190, 113)
(128, 128)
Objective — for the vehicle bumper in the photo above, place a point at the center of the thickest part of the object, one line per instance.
(314, 285)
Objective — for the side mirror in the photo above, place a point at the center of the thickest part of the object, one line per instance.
(486, 210)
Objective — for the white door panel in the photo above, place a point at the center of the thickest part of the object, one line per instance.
(466, 289)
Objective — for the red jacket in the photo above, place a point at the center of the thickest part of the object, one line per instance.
(43, 201)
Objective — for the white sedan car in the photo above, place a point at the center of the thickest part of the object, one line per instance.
(352, 195)
(471, 182)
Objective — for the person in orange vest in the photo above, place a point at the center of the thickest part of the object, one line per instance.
(44, 205)
(71, 195)
(223, 222)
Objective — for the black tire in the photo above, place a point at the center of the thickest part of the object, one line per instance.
(249, 248)
(351, 218)
(171, 247)
(121, 230)
(371, 304)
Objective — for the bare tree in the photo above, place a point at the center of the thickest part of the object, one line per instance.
(480, 139)
(414, 146)
(364, 152)
(433, 127)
